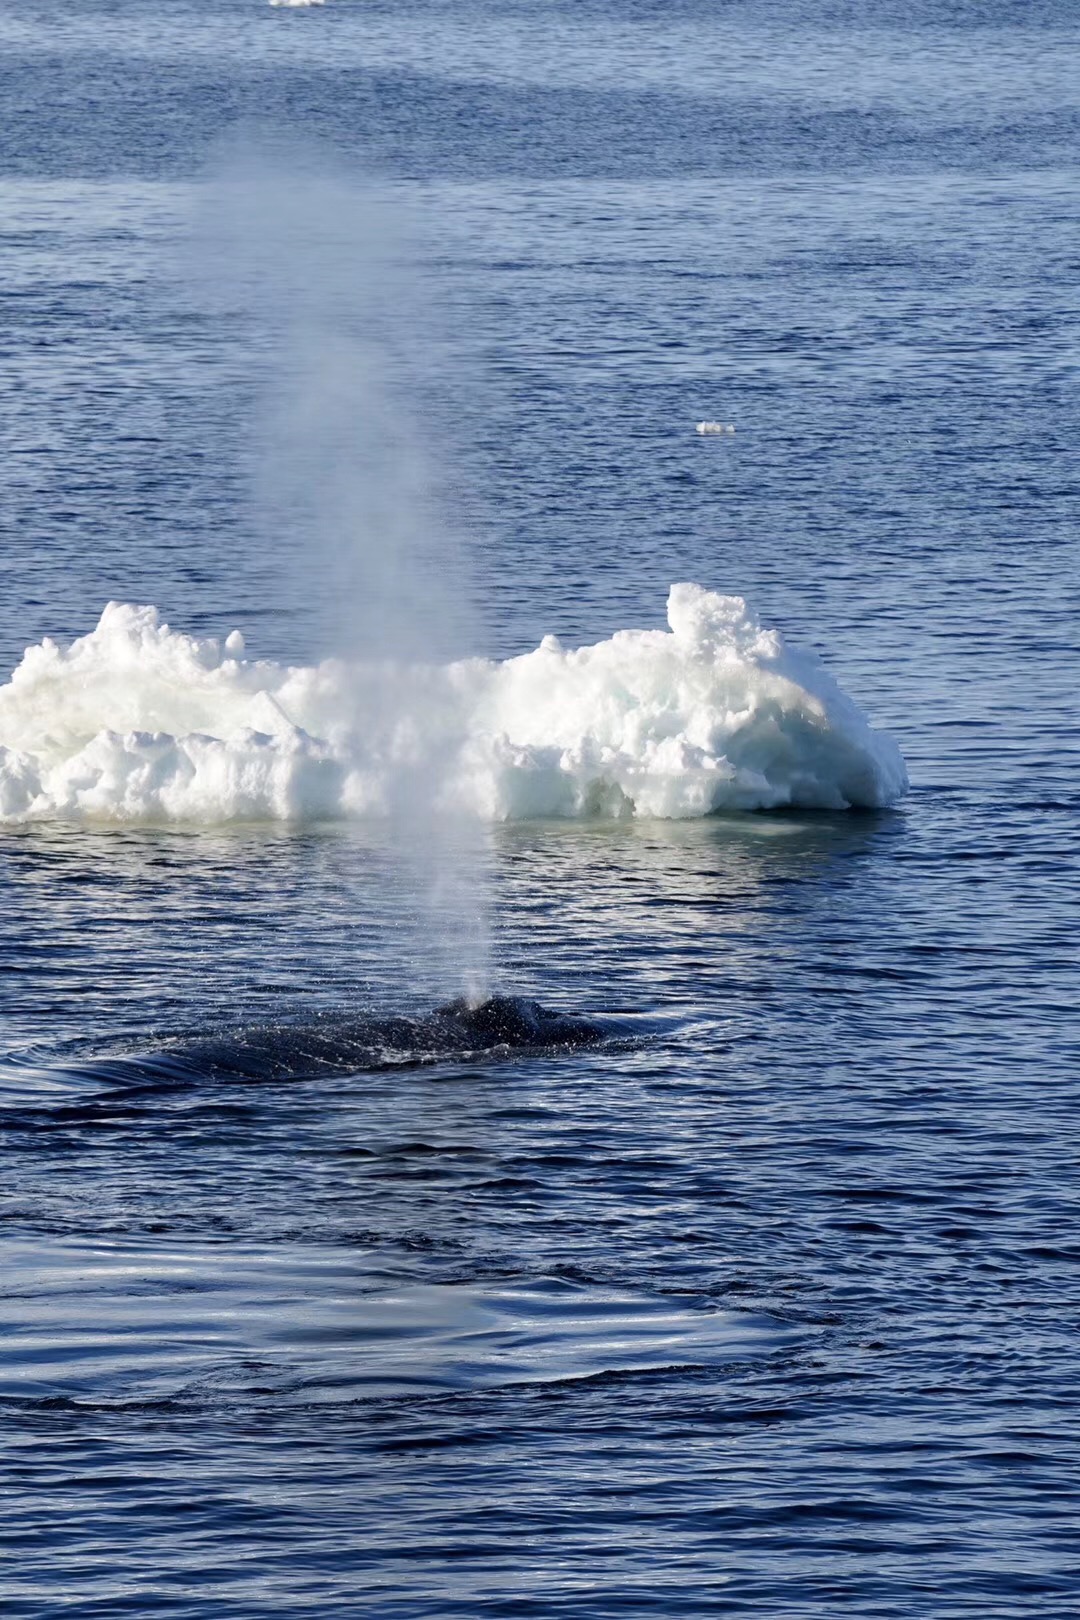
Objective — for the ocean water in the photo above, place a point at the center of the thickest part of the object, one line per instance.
(362, 345)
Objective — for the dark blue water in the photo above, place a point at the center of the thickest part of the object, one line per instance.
(771, 1306)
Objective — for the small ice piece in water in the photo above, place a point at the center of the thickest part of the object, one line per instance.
(297, 2)
(705, 428)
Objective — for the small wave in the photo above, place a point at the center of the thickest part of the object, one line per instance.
(138, 722)
(95, 1327)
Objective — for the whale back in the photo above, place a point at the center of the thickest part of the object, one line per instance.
(352, 1044)
(513, 1021)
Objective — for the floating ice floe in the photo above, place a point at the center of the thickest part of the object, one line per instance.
(297, 3)
(137, 722)
(706, 428)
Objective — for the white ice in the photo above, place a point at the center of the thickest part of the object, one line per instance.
(137, 722)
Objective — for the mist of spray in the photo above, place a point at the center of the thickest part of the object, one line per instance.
(325, 265)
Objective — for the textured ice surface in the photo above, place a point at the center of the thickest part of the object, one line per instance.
(136, 721)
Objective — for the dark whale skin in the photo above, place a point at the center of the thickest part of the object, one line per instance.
(513, 1021)
(351, 1045)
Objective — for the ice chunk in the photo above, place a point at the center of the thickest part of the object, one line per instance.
(136, 721)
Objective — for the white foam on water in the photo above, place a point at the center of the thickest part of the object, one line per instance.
(138, 722)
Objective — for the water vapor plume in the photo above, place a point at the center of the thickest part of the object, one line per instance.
(326, 266)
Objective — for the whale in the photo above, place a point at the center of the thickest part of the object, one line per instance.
(351, 1044)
